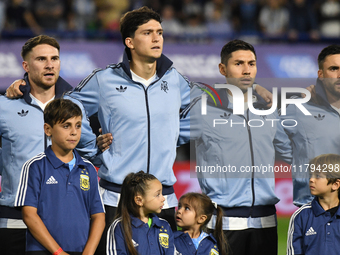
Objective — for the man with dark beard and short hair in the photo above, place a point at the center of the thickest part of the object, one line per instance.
(319, 132)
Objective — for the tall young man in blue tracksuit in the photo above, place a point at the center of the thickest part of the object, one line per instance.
(319, 132)
(235, 155)
(22, 131)
(138, 101)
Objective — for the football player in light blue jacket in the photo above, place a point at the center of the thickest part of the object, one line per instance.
(235, 153)
(319, 132)
(22, 132)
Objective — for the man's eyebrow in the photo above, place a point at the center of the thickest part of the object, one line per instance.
(242, 61)
(151, 30)
(55, 56)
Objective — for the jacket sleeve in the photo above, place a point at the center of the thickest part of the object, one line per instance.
(190, 117)
(295, 235)
(289, 120)
(291, 128)
(88, 92)
(282, 143)
(115, 240)
(184, 132)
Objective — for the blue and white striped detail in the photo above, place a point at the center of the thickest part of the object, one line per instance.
(21, 193)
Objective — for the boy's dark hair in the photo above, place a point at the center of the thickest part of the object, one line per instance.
(59, 110)
(329, 50)
(322, 163)
(40, 39)
(131, 20)
(134, 184)
(232, 46)
(329, 164)
(203, 205)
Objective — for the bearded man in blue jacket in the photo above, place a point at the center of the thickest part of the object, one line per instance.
(319, 132)
(22, 132)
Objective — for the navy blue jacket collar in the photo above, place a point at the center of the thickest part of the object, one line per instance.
(56, 162)
(260, 103)
(136, 222)
(186, 235)
(61, 87)
(162, 64)
(318, 210)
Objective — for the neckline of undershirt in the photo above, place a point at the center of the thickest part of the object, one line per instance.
(41, 104)
(145, 82)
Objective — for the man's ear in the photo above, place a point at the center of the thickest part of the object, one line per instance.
(25, 66)
(222, 68)
(139, 200)
(320, 74)
(201, 219)
(129, 43)
(47, 129)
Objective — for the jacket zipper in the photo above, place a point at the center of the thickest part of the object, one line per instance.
(253, 163)
(148, 117)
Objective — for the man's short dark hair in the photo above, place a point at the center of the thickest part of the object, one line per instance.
(232, 46)
(329, 50)
(59, 110)
(40, 39)
(130, 22)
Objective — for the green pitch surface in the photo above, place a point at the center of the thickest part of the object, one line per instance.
(282, 229)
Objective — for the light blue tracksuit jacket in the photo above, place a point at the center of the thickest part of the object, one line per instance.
(315, 134)
(144, 121)
(245, 146)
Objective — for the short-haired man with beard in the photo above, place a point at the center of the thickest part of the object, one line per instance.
(22, 131)
(319, 132)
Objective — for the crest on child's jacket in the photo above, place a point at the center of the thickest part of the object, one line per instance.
(164, 240)
(213, 252)
(84, 180)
